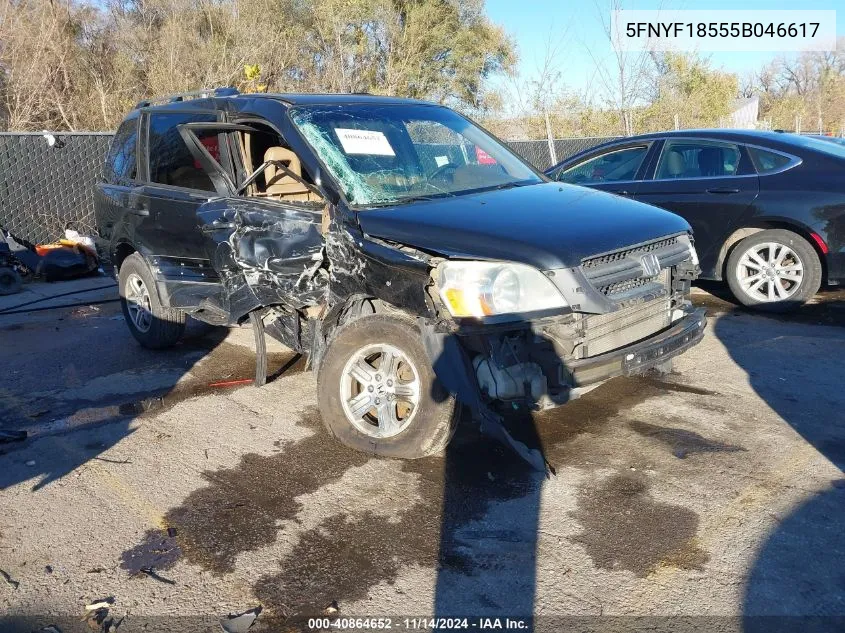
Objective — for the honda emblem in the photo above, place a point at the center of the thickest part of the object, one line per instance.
(650, 264)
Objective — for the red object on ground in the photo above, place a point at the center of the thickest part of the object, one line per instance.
(231, 383)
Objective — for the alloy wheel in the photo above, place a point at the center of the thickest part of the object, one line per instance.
(769, 272)
(138, 303)
(380, 390)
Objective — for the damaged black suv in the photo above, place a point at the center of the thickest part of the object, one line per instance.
(412, 257)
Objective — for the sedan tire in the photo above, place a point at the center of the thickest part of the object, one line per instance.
(774, 270)
(378, 393)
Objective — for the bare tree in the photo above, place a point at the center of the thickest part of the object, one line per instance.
(625, 77)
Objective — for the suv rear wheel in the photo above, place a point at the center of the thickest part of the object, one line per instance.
(378, 393)
(152, 325)
(774, 270)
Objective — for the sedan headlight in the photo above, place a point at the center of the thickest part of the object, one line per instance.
(481, 289)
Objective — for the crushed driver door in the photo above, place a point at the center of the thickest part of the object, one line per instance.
(265, 251)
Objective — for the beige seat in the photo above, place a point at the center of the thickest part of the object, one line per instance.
(278, 183)
(676, 166)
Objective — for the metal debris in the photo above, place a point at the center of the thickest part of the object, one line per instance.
(14, 584)
(30, 462)
(113, 461)
(97, 616)
(151, 572)
(240, 623)
(105, 603)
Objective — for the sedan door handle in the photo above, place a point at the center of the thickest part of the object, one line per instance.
(723, 190)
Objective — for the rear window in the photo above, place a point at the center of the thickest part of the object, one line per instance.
(766, 162)
(171, 162)
(121, 163)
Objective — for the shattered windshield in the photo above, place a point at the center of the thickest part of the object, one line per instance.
(386, 154)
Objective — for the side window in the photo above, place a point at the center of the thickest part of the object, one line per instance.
(610, 167)
(766, 162)
(121, 164)
(171, 162)
(698, 159)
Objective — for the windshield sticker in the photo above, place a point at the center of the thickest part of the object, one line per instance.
(441, 160)
(369, 142)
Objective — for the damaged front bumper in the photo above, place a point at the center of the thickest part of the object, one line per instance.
(537, 366)
(640, 357)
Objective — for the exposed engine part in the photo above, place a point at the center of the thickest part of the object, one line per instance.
(510, 383)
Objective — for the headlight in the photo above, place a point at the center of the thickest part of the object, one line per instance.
(692, 252)
(479, 289)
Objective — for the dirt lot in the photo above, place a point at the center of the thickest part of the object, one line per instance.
(715, 491)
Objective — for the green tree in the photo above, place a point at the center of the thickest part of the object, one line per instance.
(687, 87)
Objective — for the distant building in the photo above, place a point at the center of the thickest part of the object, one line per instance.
(744, 113)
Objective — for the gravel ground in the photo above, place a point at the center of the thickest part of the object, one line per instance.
(713, 492)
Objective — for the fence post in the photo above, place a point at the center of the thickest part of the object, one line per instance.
(552, 153)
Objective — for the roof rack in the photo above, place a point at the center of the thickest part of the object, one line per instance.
(186, 96)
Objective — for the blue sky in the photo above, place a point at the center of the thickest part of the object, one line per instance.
(532, 22)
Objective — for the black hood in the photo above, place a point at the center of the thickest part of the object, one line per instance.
(550, 225)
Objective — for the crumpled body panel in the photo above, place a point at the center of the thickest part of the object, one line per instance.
(265, 254)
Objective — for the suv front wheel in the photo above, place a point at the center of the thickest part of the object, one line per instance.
(378, 393)
(152, 325)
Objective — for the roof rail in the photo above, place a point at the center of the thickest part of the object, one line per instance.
(185, 96)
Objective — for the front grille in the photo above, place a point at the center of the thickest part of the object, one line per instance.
(609, 258)
(620, 275)
(623, 286)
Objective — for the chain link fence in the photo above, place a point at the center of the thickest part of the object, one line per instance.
(44, 188)
(538, 154)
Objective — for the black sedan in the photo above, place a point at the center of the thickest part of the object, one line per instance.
(767, 208)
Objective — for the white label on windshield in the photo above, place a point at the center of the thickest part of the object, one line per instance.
(441, 160)
(364, 142)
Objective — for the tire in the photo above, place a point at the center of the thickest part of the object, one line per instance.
(787, 286)
(10, 281)
(152, 325)
(424, 429)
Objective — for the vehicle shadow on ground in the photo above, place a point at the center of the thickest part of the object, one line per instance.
(798, 575)
(490, 516)
(80, 430)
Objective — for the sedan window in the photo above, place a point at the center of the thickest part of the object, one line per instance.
(698, 159)
(612, 166)
(766, 162)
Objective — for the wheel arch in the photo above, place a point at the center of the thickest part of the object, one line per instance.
(121, 251)
(741, 233)
(350, 309)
